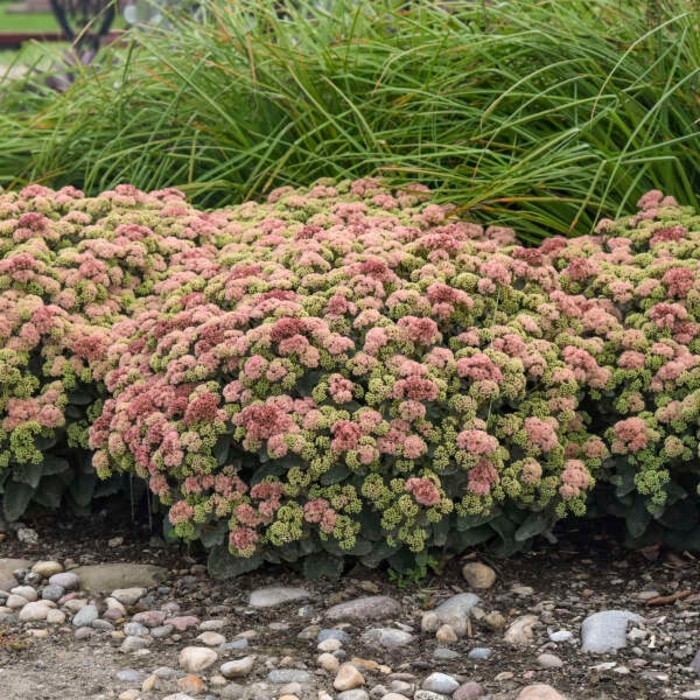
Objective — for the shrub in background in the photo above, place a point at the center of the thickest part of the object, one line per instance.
(539, 115)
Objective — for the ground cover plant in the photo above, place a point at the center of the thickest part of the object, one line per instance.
(349, 370)
(542, 115)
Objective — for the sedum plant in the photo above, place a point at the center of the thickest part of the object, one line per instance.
(347, 370)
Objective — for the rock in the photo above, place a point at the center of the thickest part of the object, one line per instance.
(539, 691)
(387, 637)
(131, 644)
(446, 635)
(480, 653)
(52, 592)
(354, 694)
(183, 622)
(549, 661)
(34, 612)
(27, 592)
(394, 696)
(691, 695)
(429, 695)
(238, 668)
(453, 612)
(695, 663)
(131, 694)
(194, 659)
(129, 675)
(108, 577)
(329, 645)
(328, 662)
(341, 635)
(134, 629)
(440, 683)
(26, 535)
(178, 696)
(522, 590)
(276, 595)
(348, 677)
(148, 618)
(129, 596)
(470, 690)
(561, 636)
(606, 631)
(55, 617)
(520, 631)
(15, 602)
(211, 639)
(8, 567)
(212, 625)
(66, 579)
(365, 609)
(445, 654)
(281, 676)
(46, 569)
(85, 616)
(495, 621)
(190, 684)
(478, 575)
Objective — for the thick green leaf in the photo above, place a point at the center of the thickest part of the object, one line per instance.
(535, 524)
(336, 474)
(82, 489)
(80, 398)
(50, 491)
(221, 449)
(381, 551)
(30, 474)
(16, 499)
(441, 531)
(457, 542)
(682, 516)
(54, 465)
(637, 518)
(273, 468)
(223, 565)
(322, 565)
(211, 536)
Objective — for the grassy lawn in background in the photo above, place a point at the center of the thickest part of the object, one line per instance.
(10, 22)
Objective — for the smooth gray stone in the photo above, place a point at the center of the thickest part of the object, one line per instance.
(276, 595)
(429, 695)
(340, 635)
(453, 612)
(480, 653)
(66, 579)
(387, 637)
(53, 592)
(354, 694)
(288, 675)
(378, 607)
(606, 631)
(134, 629)
(445, 654)
(85, 616)
(440, 683)
(130, 675)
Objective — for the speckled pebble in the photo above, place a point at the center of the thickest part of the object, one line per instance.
(440, 683)
(480, 653)
(288, 675)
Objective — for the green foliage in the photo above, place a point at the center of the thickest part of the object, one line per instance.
(544, 115)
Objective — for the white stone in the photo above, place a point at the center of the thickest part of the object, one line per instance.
(520, 631)
(238, 668)
(329, 645)
(276, 595)
(606, 631)
(211, 639)
(128, 596)
(15, 602)
(26, 592)
(34, 612)
(195, 659)
(453, 612)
